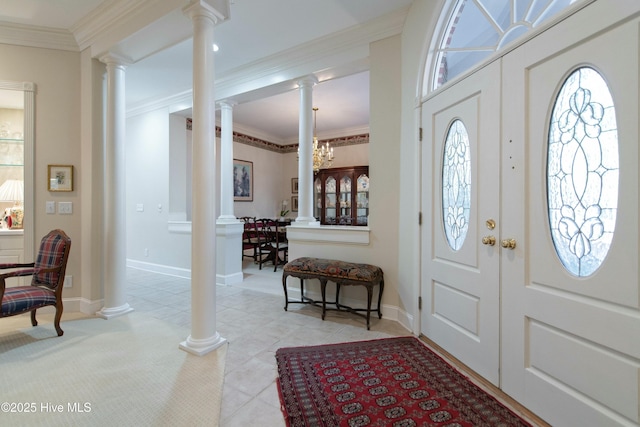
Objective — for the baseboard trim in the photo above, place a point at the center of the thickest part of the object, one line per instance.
(183, 273)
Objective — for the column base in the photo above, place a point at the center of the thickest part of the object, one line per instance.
(110, 313)
(227, 219)
(229, 279)
(202, 347)
(305, 222)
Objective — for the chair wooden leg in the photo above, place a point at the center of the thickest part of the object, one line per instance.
(56, 321)
(34, 322)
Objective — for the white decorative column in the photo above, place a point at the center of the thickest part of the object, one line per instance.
(229, 229)
(305, 162)
(115, 226)
(204, 336)
(226, 163)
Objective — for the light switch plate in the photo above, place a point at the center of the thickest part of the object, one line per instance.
(65, 208)
(51, 207)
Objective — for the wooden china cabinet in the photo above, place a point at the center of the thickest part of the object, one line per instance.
(341, 196)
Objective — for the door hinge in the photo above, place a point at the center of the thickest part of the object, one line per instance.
(419, 303)
(419, 218)
(420, 133)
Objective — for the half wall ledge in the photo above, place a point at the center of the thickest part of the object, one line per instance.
(329, 234)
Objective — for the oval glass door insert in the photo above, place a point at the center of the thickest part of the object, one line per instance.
(456, 185)
(583, 172)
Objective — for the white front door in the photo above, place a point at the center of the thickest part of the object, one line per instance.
(461, 204)
(556, 326)
(570, 342)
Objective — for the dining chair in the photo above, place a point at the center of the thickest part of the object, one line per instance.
(249, 237)
(264, 234)
(272, 243)
(281, 245)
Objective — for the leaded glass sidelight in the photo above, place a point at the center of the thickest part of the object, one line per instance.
(456, 184)
(582, 172)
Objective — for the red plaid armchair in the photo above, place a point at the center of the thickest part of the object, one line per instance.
(46, 284)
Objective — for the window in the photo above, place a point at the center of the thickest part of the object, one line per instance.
(456, 185)
(475, 29)
(582, 172)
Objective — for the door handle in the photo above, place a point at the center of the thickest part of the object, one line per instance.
(489, 240)
(508, 243)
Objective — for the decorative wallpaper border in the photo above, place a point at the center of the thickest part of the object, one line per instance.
(289, 148)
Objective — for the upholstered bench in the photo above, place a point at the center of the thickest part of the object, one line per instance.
(339, 272)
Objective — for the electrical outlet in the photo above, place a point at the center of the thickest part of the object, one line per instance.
(146, 251)
(139, 207)
(68, 282)
(65, 208)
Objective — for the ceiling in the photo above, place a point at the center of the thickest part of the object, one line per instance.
(256, 31)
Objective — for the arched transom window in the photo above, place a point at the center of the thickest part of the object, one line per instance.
(475, 29)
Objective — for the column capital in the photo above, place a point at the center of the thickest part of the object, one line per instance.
(115, 59)
(224, 104)
(216, 10)
(307, 81)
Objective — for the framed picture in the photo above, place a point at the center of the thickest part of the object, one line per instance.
(242, 181)
(294, 203)
(294, 185)
(60, 177)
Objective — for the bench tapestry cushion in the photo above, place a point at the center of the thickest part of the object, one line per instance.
(20, 299)
(330, 268)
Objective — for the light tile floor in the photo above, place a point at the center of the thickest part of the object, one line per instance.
(251, 317)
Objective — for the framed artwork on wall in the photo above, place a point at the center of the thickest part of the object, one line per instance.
(60, 177)
(294, 185)
(242, 181)
(294, 203)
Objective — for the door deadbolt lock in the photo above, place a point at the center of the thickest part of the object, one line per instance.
(491, 224)
(489, 240)
(508, 243)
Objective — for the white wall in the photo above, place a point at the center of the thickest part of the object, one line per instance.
(148, 181)
(419, 26)
(268, 182)
(56, 74)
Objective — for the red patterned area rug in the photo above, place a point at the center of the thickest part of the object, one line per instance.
(385, 382)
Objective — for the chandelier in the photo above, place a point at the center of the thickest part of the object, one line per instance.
(323, 155)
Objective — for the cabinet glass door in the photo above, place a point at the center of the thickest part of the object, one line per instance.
(317, 197)
(345, 201)
(11, 159)
(330, 197)
(362, 200)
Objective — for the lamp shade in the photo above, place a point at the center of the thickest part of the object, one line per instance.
(12, 190)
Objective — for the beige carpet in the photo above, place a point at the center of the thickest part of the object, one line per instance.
(126, 371)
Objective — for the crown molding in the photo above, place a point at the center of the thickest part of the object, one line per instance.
(116, 21)
(174, 103)
(106, 15)
(34, 36)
